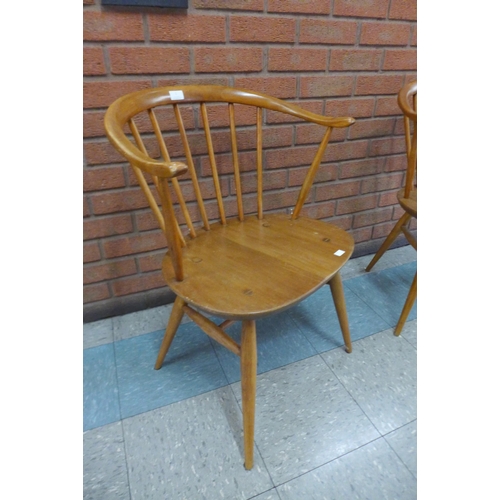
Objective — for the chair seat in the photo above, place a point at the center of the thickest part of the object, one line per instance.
(253, 268)
(409, 204)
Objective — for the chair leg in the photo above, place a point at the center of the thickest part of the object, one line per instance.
(389, 240)
(173, 324)
(339, 300)
(412, 295)
(248, 387)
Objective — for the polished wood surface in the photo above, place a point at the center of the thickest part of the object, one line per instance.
(407, 196)
(237, 268)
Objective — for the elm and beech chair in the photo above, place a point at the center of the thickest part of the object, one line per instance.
(407, 197)
(237, 268)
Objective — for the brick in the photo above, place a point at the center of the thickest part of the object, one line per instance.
(363, 234)
(337, 190)
(299, 6)
(256, 5)
(88, 2)
(207, 80)
(135, 284)
(270, 180)
(218, 115)
(325, 173)
(276, 86)
(175, 27)
(148, 60)
(278, 117)
(297, 59)
(95, 179)
(372, 128)
(378, 84)
(326, 86)
(387, 106)
(112, 26)
(359, 107)
(93, 61)
(93, 124)
(344, 222)
(319, 210)
(151, 262)
(311, 133)
(400, 59)
(99, 153)
(327, 32)
(413, 40)
(100, 94)
(227, 59)
(91, 252)
(94, 293)
(166, 119)
(291, 157)
(355, 60)
(261, 29)
(145, 220)
(382, 230)
(282, 199)
(372, 217)
(388, 198)
(403, 9)
(396, 163)
(361, 168)
(108, 271)
(145, 242)
(361, 8)
(86, 207)
(346, 151)
(382, 183)
(101, 227)
(358, 204)
(384, 33)
(387, 146)
(246, 161)
(119, 201)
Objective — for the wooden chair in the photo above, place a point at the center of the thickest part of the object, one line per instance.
(238, 268)
(407, 197)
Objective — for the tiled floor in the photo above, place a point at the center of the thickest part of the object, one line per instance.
(329, 425)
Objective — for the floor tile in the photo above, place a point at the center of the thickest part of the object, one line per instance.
(279, 342)
(409, 332)
(372, 472)
(268, 495)
(317, 319)
(104, 467)
(190, 368)
(404, 442)
(381, 375)
(192, 450)
(100, 390)
(386, 291)
(98, 333)
(305, 418)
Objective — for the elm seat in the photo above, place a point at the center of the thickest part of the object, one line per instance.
(241, 264)
(407, 197)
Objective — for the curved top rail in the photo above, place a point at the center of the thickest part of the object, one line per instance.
(409, 90)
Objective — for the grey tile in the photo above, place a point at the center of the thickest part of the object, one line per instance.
(100, 389)
(192, 450)
(391, 258)
(372, 472)
(268, 495)
(317, 318)
(141, 322)
(97, 333)
(305, 418)
(279, 342)
(381, 375)
(190, 368)
(404, 442)
(386, 291)
(104, 467)
(409, 332)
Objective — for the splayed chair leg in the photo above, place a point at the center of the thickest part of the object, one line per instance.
(412, 295)
(248, 387)
(338, 298)
(173, 324)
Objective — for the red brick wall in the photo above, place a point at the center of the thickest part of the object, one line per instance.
(340, 57)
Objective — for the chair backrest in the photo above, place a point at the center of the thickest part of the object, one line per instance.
(407, 101)
(140, 114)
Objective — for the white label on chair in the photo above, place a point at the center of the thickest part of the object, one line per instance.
(177, 95)
(338, 253)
